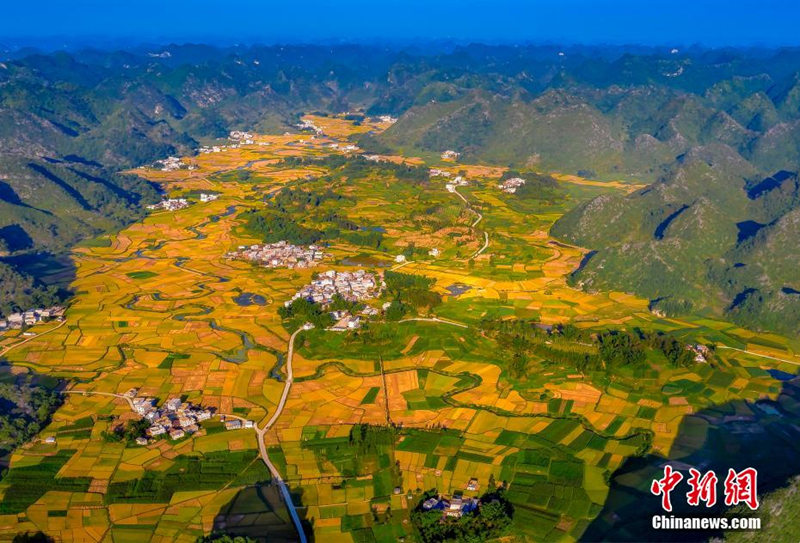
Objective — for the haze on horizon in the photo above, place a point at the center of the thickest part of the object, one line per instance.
(712, 23)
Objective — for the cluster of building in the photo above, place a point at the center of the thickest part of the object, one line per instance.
(457, 505)
(454, 507)
(211, 149)
(458, 181)
(237, 138)
(175, 418)
(243, 138)
(511, 184)
(349, 148)
(15, 321)
(436, 172)
(352, 286)
(450, 155)
(170, 204)
(237, 424)
(172, 163)
(345, 321)
(208, 197)
(387, 119)
(280, 255)
(307, 124)
(701, 352)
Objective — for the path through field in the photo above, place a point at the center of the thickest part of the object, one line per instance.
(474, 224)
(794, 362)
(7, 349)
(262, 448)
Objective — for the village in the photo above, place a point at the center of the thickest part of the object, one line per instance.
(352, 286)
(19, 320)
(458, 181)
(175, 204)
(436, 172)
(701, 352)
(452, 184)
(349, 148)
(306, 124)
(172, 163)
(455, 506)
(175, 417)
(237, 139)
(280, 255)
(511, 185)
(170, 204)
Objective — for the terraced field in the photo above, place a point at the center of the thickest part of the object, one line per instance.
(156, 308)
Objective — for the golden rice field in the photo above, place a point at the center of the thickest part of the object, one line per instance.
(163, 287)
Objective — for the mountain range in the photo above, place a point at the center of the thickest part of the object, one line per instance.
(715, 132)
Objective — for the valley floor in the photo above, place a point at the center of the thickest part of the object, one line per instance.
(156, 309)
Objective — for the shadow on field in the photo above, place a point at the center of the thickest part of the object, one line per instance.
(56, 270)
(260, 513)
(764, 435)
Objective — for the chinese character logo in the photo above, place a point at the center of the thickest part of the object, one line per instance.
(703, 488)
(739, 487)
(664, 486)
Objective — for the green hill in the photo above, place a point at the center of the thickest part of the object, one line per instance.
(708, 127)
(712, 234)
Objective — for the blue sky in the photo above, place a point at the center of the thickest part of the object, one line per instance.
(652, 22)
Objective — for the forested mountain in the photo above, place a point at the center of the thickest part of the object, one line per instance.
(69, 123)
(628, 118)
(717, 131)
(712, 233)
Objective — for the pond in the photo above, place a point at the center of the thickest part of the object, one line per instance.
(248, 298)
(457, 289)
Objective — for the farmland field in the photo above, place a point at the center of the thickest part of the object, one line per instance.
(428, 399)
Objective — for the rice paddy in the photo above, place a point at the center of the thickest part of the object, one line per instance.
(156, 308)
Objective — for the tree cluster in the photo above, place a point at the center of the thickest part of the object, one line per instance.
(127, 433)
(491, 519)
(25, 408)
(302, 310)
(22, 292)
(584, 350)
(409, 291)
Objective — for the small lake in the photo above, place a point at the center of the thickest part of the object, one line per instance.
(248, 298)
(457, 289)
(229, 211)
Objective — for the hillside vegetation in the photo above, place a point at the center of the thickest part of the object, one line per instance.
(715, 130)
(711, 234)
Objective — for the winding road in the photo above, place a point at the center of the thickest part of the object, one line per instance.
(485, 244)
(26, 340)
(435, 319)
(474, 224)
(759, 354)
(262, 448)
(93, 393)
(260, 431)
